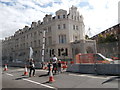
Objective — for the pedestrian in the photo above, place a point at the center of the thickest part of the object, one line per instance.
(42, 65)
(59, 66)
(32, 67)
(49, 65)
(54, 64)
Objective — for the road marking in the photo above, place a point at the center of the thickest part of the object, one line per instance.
(38, 83)
(34, 82)
(9, 74)
(89, 76)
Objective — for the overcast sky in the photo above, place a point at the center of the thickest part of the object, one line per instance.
(99, 15)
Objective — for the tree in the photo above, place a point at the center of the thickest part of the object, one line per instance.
(110, 38)
(101, 39)
(86, 37)
(107, 39)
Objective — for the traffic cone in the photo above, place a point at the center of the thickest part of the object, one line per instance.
(5, 69)
(51, 78)
(26, 72)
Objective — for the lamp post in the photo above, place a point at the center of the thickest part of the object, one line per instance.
(43, 47)
(13, 55)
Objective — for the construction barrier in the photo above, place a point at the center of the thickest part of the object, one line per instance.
(64, 66)
(72, 62)
(111, 69)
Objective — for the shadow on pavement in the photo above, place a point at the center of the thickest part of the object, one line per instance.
(45, 82)
(111, 79)
(21, 78)
(43, 75)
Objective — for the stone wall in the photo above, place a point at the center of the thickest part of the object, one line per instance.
(111, 69)
(108, 49)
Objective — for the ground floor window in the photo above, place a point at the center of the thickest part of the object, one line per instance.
(63, 52)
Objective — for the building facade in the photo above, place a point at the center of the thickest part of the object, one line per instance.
(114, 30)
(83, 46)
(109, 48)
(61, 30)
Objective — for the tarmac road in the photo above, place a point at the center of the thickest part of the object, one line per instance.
(13, 78)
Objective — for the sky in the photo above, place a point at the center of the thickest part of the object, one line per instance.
(99, 15)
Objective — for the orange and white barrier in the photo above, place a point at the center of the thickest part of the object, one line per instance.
(64, 66)
(45, 66)
(72, 62)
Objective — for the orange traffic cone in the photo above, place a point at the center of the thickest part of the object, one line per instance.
(26, 72)
(5, 69)
(51, 79)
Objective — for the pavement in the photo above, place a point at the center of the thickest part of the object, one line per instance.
(14, 78)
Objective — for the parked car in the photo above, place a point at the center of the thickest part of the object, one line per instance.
(116, 61)
(91, 58)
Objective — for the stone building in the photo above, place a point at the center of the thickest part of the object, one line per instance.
(83, 46)
(111, 48)
(61, 30)
(114, 30)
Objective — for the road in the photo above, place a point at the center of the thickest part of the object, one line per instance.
(13, 78)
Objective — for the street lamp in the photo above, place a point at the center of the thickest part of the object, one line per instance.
(13, 55)
(43, 47)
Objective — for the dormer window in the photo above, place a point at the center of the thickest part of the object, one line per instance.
(63, 16)
(58, 16)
